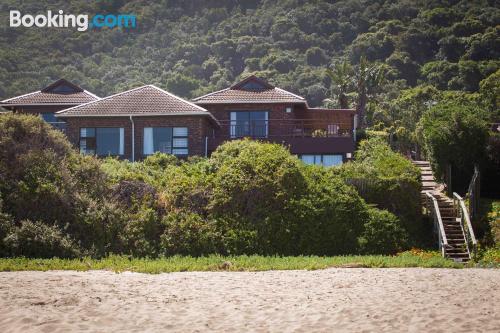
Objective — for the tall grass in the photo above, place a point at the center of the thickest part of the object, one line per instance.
(229, 263)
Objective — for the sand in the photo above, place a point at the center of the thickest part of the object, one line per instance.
(340, 300)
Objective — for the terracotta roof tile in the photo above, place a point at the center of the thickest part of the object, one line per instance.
(59, 92)
(274, 95)
(39, 97)
(250, 90)
(146, 100)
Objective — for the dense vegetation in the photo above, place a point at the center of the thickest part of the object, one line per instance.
(425, 75)
(247, 198)
(389, 181)
(193, 47)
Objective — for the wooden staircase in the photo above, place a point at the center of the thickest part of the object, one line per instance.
(448, 219)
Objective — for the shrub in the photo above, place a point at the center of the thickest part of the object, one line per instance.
(388, 180)
(382, 234)
(6, 225)
(248, 198)
(188, 233)
(330, 215)
(38, 240)
(141, 233)
(43, 179)
(255, 187)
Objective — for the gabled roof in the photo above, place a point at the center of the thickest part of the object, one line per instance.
(250, 90)
(60, 92)
(147, 100)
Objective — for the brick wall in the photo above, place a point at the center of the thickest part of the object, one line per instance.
(198, 128)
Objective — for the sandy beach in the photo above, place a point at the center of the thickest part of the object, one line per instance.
(340, 300)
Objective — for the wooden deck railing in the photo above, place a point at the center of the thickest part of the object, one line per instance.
(283, 128)
(469, 235)
(433, 208)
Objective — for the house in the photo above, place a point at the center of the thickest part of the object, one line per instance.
(138, 122)
(57, 96)
(256, 109)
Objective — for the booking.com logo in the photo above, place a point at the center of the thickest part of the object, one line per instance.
(81, 22)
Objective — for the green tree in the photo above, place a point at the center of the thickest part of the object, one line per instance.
(341, 76)
(455, 134)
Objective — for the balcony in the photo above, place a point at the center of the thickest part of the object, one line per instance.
(301, 135)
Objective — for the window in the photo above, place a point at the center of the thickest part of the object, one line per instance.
(249, 124)
(49, 117)
(169, 140)
(325, 160)
(103, 141)
(63, 89)
(253, 86)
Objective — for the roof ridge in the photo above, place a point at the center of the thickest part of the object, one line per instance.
(102, 99)
(60, 82)
(288, 92)
(31, 93)
(209, 94)
(91, 94)
(179, 98)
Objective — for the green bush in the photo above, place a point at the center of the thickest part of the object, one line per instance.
(256, 187)
(188, 233)
(388, 180)
(38, 240)
(43, 179)
(330, 215)
(248, 198)
(382, 234)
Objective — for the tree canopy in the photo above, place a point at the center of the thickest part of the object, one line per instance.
(193, 47)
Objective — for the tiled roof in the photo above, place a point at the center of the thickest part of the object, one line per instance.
(70, 95)
(260, 92)
(38, 97)
(142, 101)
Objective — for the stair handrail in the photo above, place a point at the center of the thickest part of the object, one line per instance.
(473, 192)
(438, 222)
(459, 204)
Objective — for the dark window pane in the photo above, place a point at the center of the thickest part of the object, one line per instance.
(162, 139)
(252, 85)
(87, 132)
(108, 141)
(249, 123)
(63, 89)
(49, 117)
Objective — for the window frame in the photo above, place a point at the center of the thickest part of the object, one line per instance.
(174, 136)
(322, 158)
(93, 141)
(233, 122)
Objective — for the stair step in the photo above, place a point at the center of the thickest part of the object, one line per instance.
(459, 255)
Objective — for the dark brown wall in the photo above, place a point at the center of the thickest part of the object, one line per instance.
(198, 127)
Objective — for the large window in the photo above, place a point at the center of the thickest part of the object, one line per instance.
(102, 141)
(169, 140)
(325, 160)
(50, 118)
(249, 124)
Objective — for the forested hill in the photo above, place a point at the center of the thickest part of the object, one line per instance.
(193, 47)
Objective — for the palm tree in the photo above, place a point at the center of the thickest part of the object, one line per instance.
(341, 76)
(368, 77)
